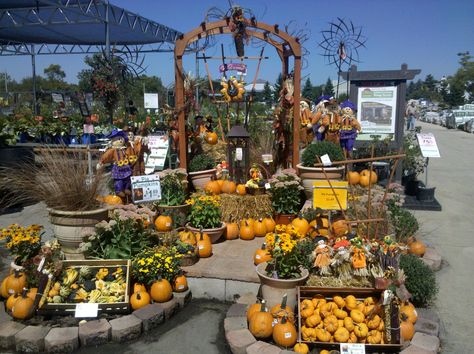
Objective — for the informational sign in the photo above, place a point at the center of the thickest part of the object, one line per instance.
(158, 145)
(325, 198)
(86, 310)
(326, 160)
(376, 110)
(239, 67)
(57, 97)
(146, 188)
(352, 348)
(150, 100)
(428, 145)
(238, 154)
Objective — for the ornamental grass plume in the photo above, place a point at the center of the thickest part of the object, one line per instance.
(61, 179)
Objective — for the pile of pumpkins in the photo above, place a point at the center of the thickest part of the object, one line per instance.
(364, 178)
(19, 300)
(341, 320)
(276, 323)
(160, 291)
(408, 318)
(199, 240)
(248, 229)
(219, 186)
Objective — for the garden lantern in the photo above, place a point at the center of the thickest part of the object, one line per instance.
(238, 153)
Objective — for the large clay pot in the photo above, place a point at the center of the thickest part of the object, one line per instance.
(284, 219)
(309, 175)
(274, 289)
(200, 178)
(68, 227)
(214, 234)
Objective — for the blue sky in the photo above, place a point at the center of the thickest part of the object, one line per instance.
(425, 34)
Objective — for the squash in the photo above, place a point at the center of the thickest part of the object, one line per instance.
(164, 223)
(284, 333)
(3, 288)
(357, 316)
(307, 308)
(361, 330)
(246, 231)
(240, 189)
(339, 301)
(318, 301)
(32, 293)
(368, 310)
(139, 299)
(331, 324)
(352, 338)
(374, 322)
(371, 174)
(161, 291)
(261, 323)
(180, 283)
(232, 231)
(417, 248)
(269, 224)
(23, 308)
(407, 329)
(204, 245)
(228, 187)
(341, 335)
(340, 314)
(374, 337)
(261, 255)
(323, 335)
(283, 310)
(301, 224)
(369, 301)
(252, 309)
(15, 282)
(353, 177)
(349, 324)
(188, 237)
(11, 301)
(313, 320)
(301, 348)
(213, 187)
(248, 221)
(308, 334)
(410, 312)
(259, 228)
(139, 287)
(112, 199)
(211, 138)
(339, 228)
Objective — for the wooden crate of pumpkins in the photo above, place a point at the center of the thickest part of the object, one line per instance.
(105, 282)
(330, 316)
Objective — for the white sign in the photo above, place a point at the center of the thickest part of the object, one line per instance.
(352, 348)
(377, 109)
(428, 145)
(86, 310)
(238, 154)
(158, 145)
(150, 100)
(146, 188)
(326, 160)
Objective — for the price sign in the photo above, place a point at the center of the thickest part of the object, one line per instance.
(86, 310)
(150, 100)
(146, 188)
(238, 154)
(326, 160)
(158, 145)
(352, 348)
(325, 198)
(428, 145)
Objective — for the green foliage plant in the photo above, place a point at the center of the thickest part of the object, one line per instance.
(205, 211)
(201, 162)
(174, 186)
(420, 280)
(285, 189)
(320, 148)
(153, 263)
(403, 222)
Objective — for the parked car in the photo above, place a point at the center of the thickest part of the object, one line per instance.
(432, 117)
(458, 117)
(469, 126)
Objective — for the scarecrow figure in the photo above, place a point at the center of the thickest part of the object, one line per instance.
(322, 260)
(120, 156)
(136, 149)
(306, 132)
(350, 127)
(326, 120)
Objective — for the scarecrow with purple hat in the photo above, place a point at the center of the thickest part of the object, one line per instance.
(350, 127)
(118, 155)
(326, 121)
(317, 119)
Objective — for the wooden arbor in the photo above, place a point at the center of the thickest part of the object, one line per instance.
(285, 45)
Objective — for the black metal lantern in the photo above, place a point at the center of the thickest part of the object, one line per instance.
(238, 153)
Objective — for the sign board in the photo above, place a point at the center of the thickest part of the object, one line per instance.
(239, 67)
(376, 110)
(57, 97)
(150, 100)
(428, 145)
(352, 348)
(146, 188)
(86, 310)
(158, 145)
(324, 197)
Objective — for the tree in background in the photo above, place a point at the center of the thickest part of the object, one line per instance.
(267, 94)
(307, 91)
(54, 72)
(277, 88)
(456, 92)
(328, 88)
(465, 73)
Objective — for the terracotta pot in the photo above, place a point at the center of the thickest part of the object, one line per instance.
(200, 178)
(68, 227)
(273, 289)
(178, 213)
(284, 219)
(309, 175)
(214, 234)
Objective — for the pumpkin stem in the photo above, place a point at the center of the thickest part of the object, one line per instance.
(284, 301)
(24, 292)
(264, 246)
(263, 308)
(139, 296)
(283, 320)
(403, 317)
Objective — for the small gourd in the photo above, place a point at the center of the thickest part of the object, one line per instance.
(331, 324)
(374, 337)
(323, 335)
(361, 330)
(261, 255)
(341, 335)
(139, 299)
(241, 190)
(357, 316)
(187, 237)
(313, 320)
(284, 333)
(307, 308)
(204, 245)
(301, 348)
(164, 223)
(180, 283)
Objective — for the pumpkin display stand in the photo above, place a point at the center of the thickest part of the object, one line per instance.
(274, 289)
(214, 234)
(68, 228)
(309, 175)
(199, 179)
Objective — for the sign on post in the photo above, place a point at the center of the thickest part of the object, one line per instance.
(325, 198)
(428, 145)
(146, 188)
(158, 145)
(150, 100)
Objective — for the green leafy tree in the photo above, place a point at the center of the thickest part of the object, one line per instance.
(54, 73)
(307, 90)
(317, 91)
(329, 88)
(277, 88)
(456, 92)
(430, 83)
(267, 94)
(466, 73)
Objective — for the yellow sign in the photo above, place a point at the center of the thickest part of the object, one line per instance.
(325, 198)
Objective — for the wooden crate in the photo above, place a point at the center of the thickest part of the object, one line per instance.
(109, 308)
(308, 292)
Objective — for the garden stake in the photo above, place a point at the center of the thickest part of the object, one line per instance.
(369, 201)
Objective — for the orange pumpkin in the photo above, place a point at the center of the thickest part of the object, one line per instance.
(407, 329)
(32, 293)
(282, 310)
(301, 348)
(353, 177)
(269, 224)
(340, 228)
(180, 284)
(260, 324)
(220, 182)
(371, 174)
(259, 228)
(161, 291)
(139, 299)
(249, 221)
(113, 199)
(228, 187)
(408, 310)
(417, 248)
(253, 309)
(213, 187)
(15, 282)
(204, 245)
(164, 223)
(232, 231)
(188, 237)
(261, 255)
(211, 138)
(301, 224)
(23, 307)
(247, 232)
(240, 189)
(139, 287)
(11, 301)
(284, 333)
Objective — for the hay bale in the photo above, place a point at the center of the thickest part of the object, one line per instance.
(237, 207)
